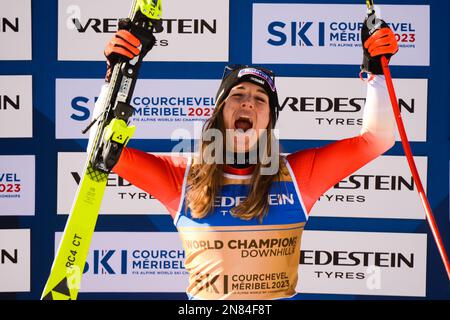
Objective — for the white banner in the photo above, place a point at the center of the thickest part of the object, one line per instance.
(332, 108)
(17, 185)
(381, 264)
(120, 197)
(14, 260)
(16, 107)
(195, 30)
(15, 30)
(163, 107)
(134, 262)
(384, 188)
(330, 33)
(326, 108)
(391, 264)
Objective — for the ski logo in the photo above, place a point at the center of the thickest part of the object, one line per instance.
(59, 292)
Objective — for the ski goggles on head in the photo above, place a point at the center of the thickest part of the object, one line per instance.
(265, 74)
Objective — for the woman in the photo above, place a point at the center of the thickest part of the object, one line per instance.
(241, 223)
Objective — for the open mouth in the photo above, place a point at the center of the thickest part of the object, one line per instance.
(243, 123)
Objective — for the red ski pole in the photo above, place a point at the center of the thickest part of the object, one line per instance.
(407, 148)
(412, 165)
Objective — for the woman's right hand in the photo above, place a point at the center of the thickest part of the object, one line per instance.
(123, 45)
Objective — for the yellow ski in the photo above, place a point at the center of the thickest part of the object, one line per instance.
(113, 133)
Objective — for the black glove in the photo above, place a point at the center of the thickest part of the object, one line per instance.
(123, 45)
(378, 40)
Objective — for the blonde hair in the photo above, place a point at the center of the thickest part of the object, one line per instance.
(205, 180)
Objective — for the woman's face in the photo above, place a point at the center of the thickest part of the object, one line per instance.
(246, 113)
